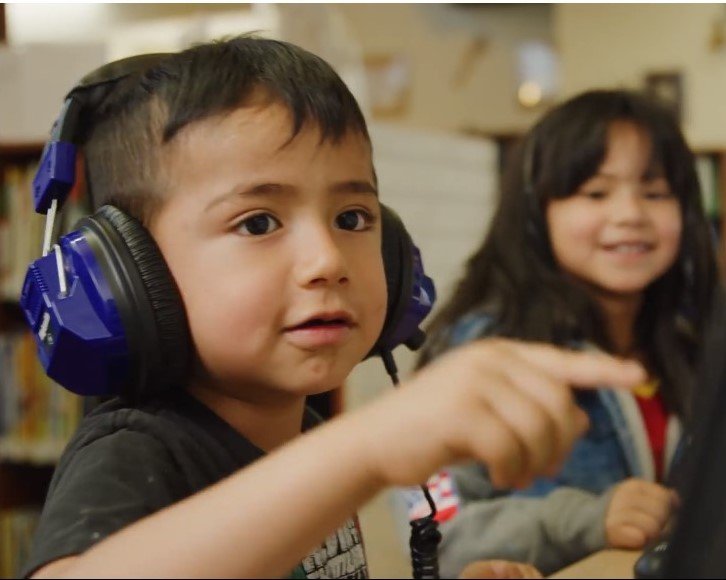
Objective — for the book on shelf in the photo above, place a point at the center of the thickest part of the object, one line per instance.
(16, 532)
(37, 416)
(21, 229)
(708, 171)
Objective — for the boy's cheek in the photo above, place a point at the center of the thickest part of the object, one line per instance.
(380, 316)
(371, 320)
(379, 304)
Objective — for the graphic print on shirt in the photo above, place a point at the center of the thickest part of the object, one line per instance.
(340, 556)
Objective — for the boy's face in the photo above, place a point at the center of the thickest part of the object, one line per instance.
(276, 248)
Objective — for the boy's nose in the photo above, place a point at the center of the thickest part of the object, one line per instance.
(320, 259)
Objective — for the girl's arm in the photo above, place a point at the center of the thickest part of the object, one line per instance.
(550, 532)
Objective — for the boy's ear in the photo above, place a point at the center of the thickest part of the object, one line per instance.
(149, 302)
(411, 293)
(107, 315)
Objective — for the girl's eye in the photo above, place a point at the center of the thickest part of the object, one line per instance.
(658, 195)
(595, 194)
(354, 220)
(258, 225)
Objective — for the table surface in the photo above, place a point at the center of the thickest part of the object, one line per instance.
(603, 564)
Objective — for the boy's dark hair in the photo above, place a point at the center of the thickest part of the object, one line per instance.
(513, 275)
(127, 123)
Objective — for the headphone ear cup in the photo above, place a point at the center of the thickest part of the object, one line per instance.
(148, 299)
(397, 250)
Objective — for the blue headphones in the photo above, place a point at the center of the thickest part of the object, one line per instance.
(106, 313)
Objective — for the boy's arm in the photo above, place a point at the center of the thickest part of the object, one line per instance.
(504, 403)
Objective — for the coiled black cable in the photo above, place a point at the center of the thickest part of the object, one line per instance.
(424, 543)
(425, 534)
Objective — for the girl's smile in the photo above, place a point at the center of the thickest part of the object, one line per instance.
(621, 229)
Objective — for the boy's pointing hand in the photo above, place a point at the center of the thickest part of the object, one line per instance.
(508, 404)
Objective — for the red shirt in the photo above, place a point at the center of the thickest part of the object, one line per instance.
(655, 418)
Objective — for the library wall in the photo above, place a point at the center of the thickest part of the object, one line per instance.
(605, 45)
(454, 52)
(34, 80)
(463, 57)
(462, 60)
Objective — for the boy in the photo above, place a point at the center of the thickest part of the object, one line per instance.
(250, 164)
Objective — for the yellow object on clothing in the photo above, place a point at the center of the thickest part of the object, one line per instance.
(647, 390)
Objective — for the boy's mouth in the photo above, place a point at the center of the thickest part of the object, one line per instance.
(333, 320)
(319, 323)
(320, 330)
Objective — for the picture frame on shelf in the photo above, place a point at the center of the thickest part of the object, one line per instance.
(667, 87)
(388, 77)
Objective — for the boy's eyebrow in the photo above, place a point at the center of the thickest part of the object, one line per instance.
(354, 186)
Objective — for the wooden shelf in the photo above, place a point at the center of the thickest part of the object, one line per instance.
(21, 149)
(11, 316)
(709, 149)
(23, 485)
(3, 28)
(37, 453)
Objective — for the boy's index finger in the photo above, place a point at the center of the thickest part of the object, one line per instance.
(583, 369)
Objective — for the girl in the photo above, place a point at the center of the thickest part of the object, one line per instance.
(599, 241)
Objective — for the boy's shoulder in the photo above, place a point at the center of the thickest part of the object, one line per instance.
(174, 430)
(128, 461)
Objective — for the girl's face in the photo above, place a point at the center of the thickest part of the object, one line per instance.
(621, 229)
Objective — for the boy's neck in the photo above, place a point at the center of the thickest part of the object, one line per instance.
(265, 425)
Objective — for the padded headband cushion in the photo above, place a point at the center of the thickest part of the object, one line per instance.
(149, 303)
(397, 249)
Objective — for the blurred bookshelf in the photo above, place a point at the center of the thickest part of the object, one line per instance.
(711, 171)
(37, 417)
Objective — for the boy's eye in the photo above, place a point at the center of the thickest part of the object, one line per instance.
(354, 220)
(258, 225)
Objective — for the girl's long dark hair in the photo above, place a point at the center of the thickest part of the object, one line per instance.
(513, 275)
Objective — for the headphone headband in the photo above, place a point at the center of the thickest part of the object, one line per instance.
(56, 172)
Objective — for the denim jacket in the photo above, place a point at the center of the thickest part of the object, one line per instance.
(557, 520)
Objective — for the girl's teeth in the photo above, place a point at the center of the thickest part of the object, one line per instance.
(629, 248)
